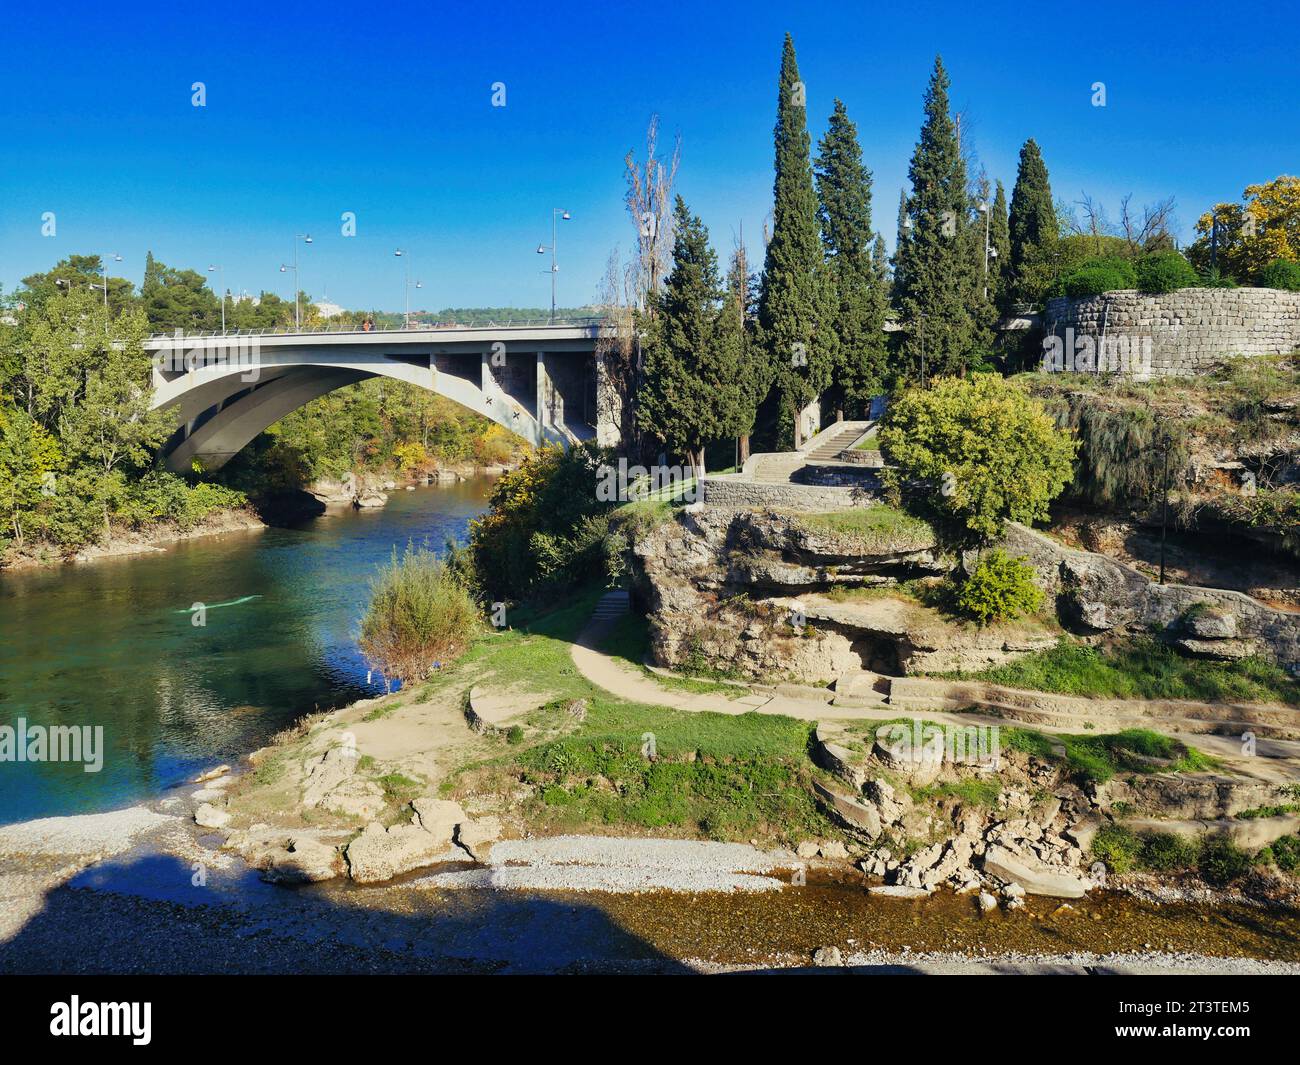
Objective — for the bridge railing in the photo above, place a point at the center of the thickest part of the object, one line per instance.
(193, 334)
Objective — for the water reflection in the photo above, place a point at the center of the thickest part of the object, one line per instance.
(113, 643)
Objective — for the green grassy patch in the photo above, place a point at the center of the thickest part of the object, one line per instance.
(718, 775)
(1098, 758)
(877, 527)
(1143, 669)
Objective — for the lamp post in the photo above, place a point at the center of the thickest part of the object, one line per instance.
(285, 268)
(401, 253)
(1166, 443)
(220, 271)
(557, 213)
(103, 275)
(986, 212)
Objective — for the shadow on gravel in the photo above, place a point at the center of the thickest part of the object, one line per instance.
(143, 914)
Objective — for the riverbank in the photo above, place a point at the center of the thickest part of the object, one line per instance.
(153, 539)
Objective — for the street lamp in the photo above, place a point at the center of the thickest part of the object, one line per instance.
(400, 253)
(285, 268)
(984, 210)
(557, 213)
(103, 271)
(220, 271)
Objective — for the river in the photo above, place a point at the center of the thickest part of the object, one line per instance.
(114, 643)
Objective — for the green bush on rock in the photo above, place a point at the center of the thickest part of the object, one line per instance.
(1000, 588)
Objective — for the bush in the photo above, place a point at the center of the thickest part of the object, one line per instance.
(419, 616)
(1164, 271)
(987, 451)
(1000, 588)
(1099, 275)
(1222, 861)
(1165, 852)
(1281, 273)
(1117, 847)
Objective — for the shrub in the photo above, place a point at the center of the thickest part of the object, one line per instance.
(1166, 852)
(1286, 853)
(1281, 273)
(419, 615)
(1117, 847)
(986, 449)
(1096, 276)
(1164, 271)
(1000, 588)
(1222, 861)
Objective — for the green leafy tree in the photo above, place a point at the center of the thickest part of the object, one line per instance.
(178, 299)
(29, 459)
(983, 452)
(844, 212)
(109, 426)
(795, 300)
(78, 273)
(934, 293)
(1033, 228)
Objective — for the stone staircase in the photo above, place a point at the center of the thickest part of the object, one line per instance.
(827, 445)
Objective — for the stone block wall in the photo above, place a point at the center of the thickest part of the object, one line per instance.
(729, 490)
(1188, 330)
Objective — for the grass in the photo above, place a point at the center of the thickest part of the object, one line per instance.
(867, 443)
(1143, 669)
(628, 640)
(875, 527)
(722, 776)
(1098, 758)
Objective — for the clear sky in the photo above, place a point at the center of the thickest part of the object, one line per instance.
(386, 110)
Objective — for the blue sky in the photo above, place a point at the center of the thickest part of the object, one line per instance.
(385, 111)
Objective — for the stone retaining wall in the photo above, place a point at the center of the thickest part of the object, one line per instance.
(731, 491)
(1189, 330)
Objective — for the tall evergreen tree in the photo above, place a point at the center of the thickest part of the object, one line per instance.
(844, 212)
(739, 373)
(900, 243)
(794, 301)
(933, 297)
(1000, 240)
(1032, 226)
(675, 402)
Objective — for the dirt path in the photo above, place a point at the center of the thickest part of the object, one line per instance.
(1274, 760)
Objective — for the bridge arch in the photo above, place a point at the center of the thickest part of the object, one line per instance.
(223, 391)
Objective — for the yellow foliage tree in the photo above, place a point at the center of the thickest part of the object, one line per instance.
(1252, 234)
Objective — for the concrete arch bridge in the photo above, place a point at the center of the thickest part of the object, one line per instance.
(544, 382)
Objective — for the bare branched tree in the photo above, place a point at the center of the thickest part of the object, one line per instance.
(648, 199)
(1155, 229)
(616, 349)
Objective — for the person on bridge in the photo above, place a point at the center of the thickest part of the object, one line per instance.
(368, 326)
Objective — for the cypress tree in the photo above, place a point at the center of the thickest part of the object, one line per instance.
(794, 297)
(844, 212)
(934, 295)
(1000, 240)
(1032, 227)
(675, 403)
(739, 374)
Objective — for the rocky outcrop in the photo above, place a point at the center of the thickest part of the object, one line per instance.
(332, 784)
(758, 593)
(1098, 594)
